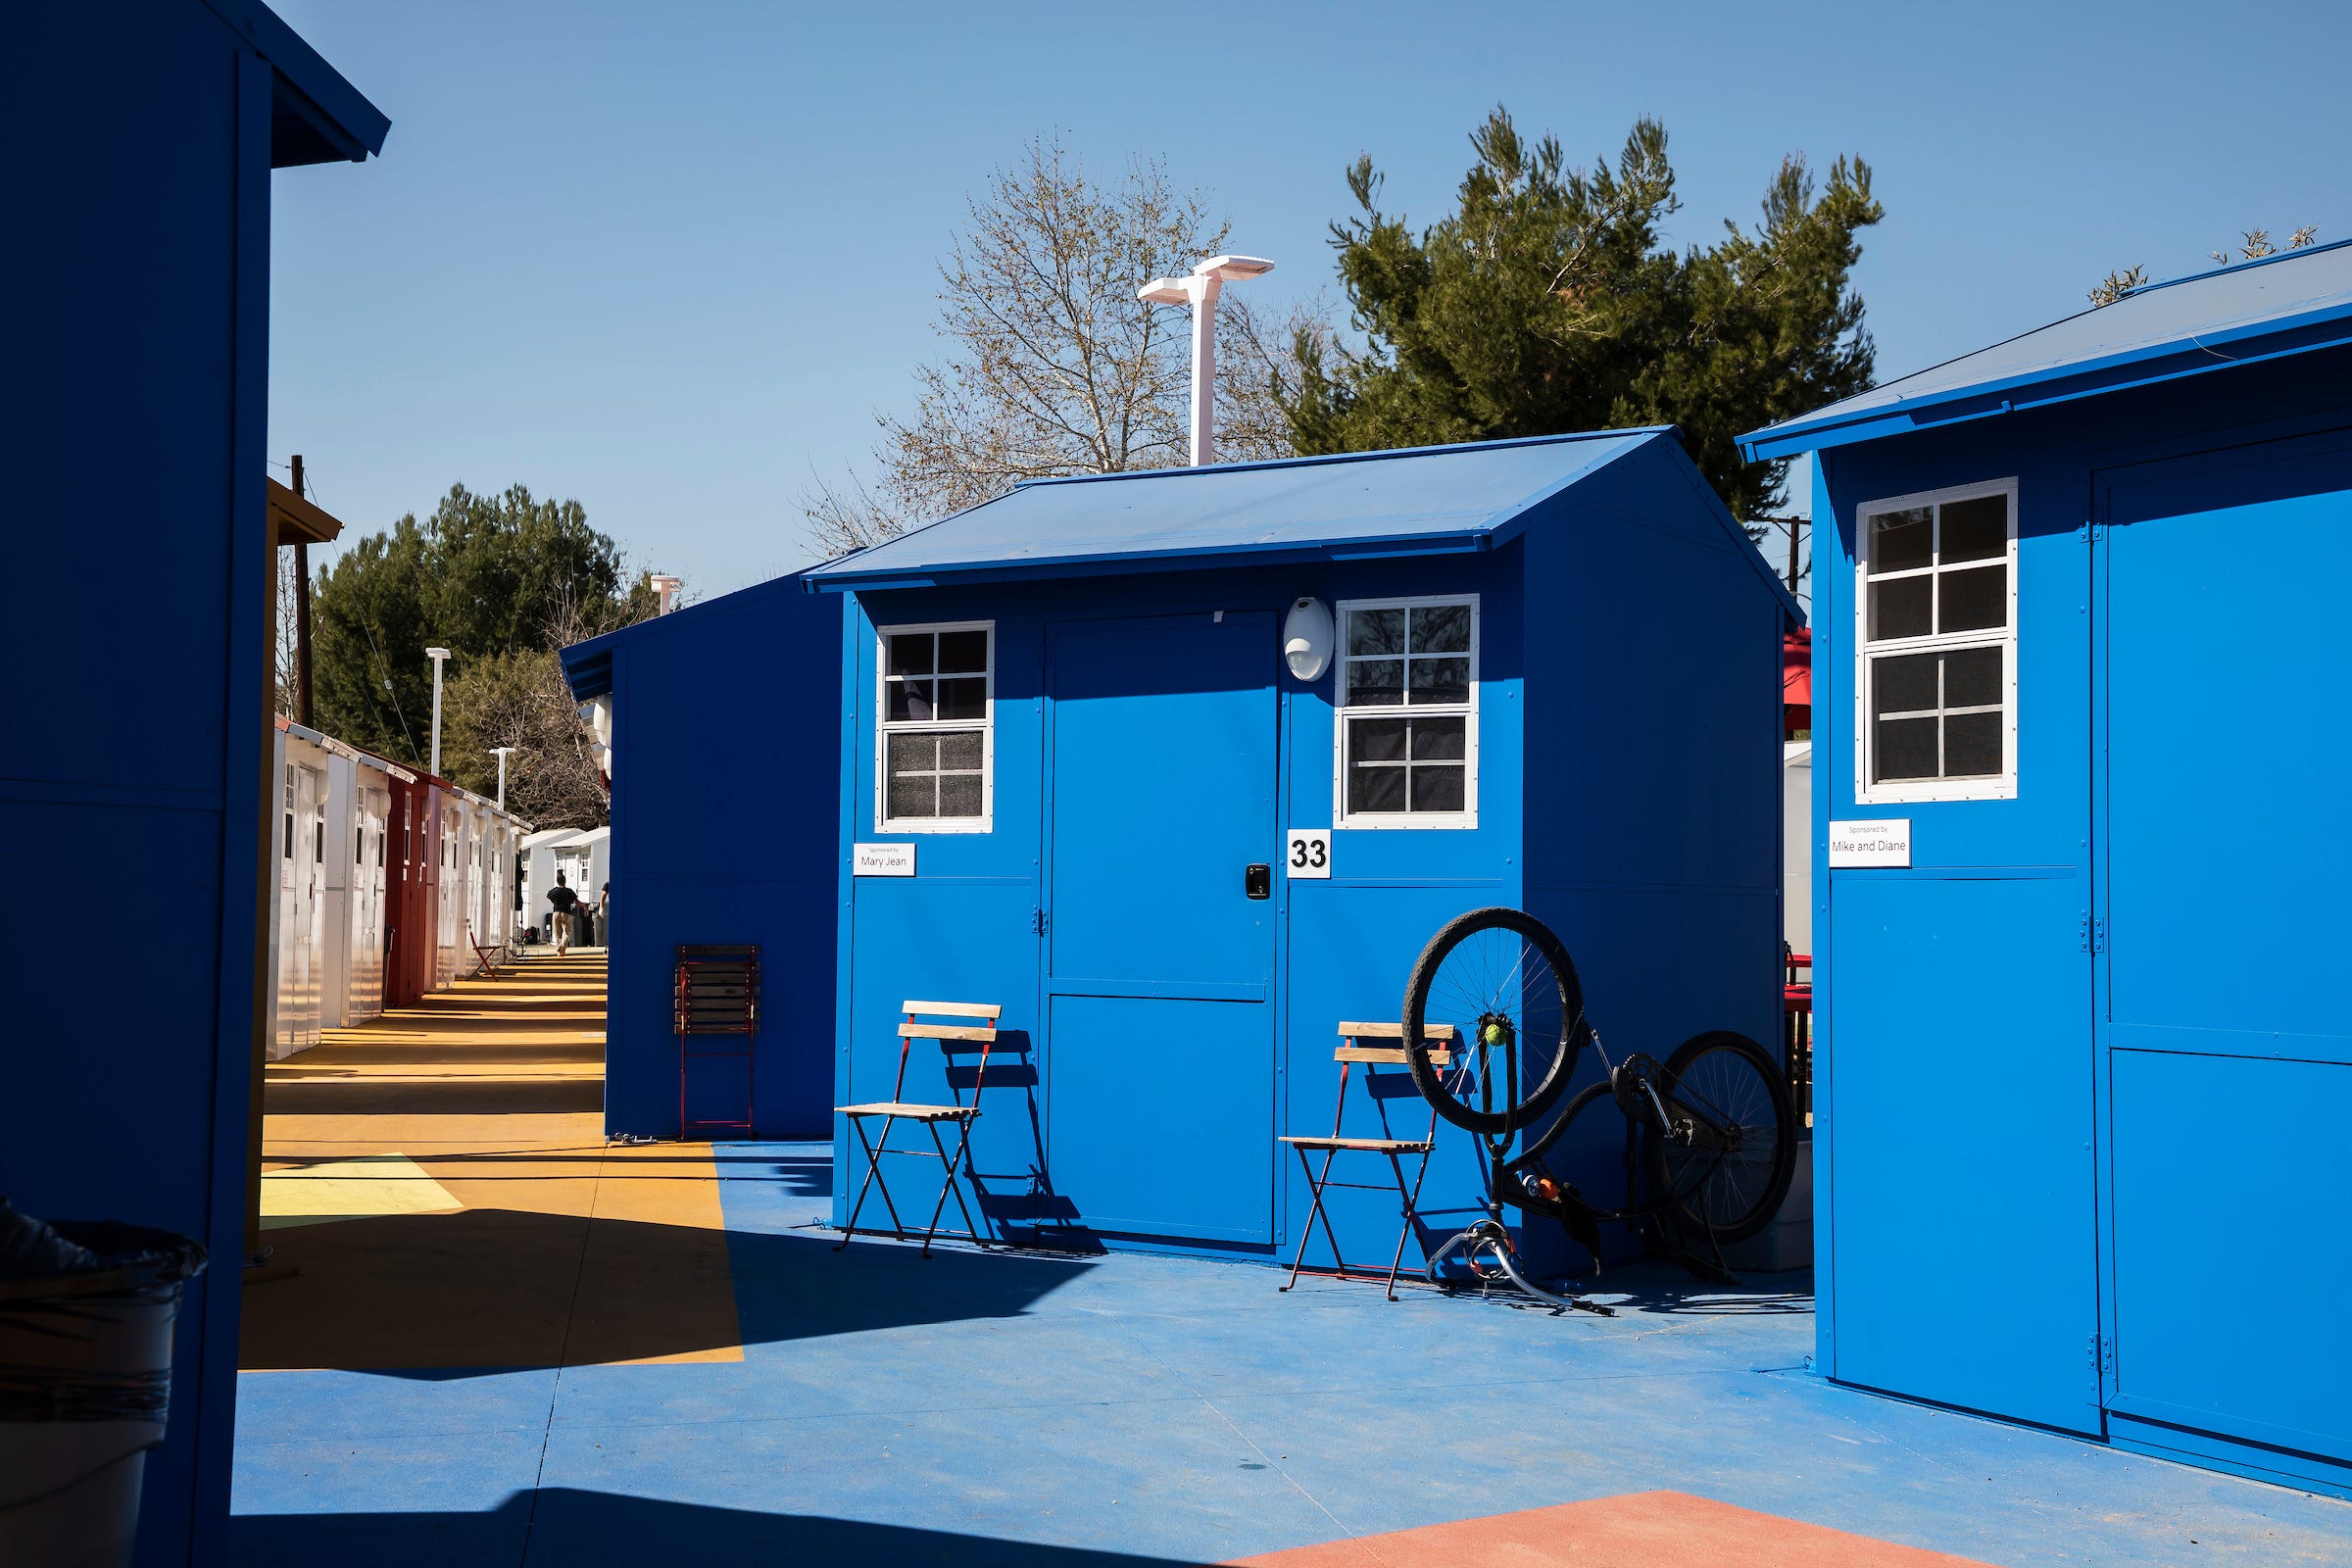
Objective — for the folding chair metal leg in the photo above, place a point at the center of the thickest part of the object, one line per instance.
(949, 1186)
(1306, 1232)
(873, 1175)
(1412, 1213)
(1315, 1211)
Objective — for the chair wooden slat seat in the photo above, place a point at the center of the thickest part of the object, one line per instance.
(953, 1040)
(1378, 1145)
(907, 1110)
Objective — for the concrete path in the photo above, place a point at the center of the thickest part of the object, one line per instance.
(440, 1177)
(475, 1402)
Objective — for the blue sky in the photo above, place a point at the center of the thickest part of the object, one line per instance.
(670, 260)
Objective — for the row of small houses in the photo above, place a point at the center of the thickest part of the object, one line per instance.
(387, 878)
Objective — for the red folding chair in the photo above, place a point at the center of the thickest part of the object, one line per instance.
(954, 1040)
(1797, 1032)
(485, 956)
(1397, 1085)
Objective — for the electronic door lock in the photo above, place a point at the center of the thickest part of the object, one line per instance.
(1259, 881)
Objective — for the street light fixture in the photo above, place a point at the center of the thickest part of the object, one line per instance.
(501, 752)
(1199, 290)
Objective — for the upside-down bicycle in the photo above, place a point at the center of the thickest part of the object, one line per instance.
(1709, 1135)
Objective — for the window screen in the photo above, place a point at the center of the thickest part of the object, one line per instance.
(935, 724)
(1409, 674)
(1939, 645)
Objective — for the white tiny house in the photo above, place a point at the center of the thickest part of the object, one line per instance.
(297, 928)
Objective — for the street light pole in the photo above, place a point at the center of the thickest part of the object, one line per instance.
(436, 655)
(501, 752)
(1199, 290)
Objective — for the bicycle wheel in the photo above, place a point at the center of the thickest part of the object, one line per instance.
(1727, 1161)
(1508, 988)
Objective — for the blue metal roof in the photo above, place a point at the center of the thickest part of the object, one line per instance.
(2290, 303)
(315, 115)
(1355, 505)
(588, 664)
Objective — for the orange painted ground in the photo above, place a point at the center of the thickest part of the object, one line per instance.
(441, 1180)
(1640, 1530)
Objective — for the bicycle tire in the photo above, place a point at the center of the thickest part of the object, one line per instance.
(1512, 995)
(1733, 1195)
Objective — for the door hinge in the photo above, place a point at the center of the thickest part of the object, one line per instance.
(1038, 921)
(2102, 1355)
(2094, 934)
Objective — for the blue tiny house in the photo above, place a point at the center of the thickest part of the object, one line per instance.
(141, 143)
(2085, 1011)
(724, 792)
(1080, 781)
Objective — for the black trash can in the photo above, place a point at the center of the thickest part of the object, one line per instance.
(86, 1309)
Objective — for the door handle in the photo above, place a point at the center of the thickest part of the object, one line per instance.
(1259, 881)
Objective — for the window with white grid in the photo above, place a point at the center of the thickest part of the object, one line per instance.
(1407, 712)
(936, 729)
(1936, 660)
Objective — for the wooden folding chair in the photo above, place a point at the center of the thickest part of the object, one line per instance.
(1351, 1054)
(954, 1039)
(485, 956)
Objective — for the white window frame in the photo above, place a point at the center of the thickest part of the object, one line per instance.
(1341, 713)
(2000, 787)
(885, 727)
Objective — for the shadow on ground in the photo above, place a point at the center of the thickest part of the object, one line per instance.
(422, 1094)
(447, 1296)
(588, 1529)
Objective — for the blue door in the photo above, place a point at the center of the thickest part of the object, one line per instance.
(1954, 1093)
(2225, 1015)
(1159, 962)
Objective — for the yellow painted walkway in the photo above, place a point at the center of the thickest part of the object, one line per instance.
(439, 1178)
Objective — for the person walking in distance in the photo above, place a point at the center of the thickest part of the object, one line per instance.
(604, 914)
(565, 901)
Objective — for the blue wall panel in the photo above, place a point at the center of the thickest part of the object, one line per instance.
(1653, 786)
(724, 798)
(1966, 1270)
(2220, 1161)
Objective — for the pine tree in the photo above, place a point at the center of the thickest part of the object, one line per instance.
(1546, 303)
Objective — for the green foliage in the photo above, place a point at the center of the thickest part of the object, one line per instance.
(484, 576)
(2116, 284)
(1545, 303)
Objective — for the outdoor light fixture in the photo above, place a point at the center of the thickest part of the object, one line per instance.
(1306, 638)
(501, 752)
(666, 588)
(436, 655)
(1199, 291)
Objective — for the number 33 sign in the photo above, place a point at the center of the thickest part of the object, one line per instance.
(1307, 852)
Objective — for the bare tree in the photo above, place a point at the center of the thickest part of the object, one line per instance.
(285, 666)
(1258, 374)
(1054, 365)
(520, 699)
(2256, 243)
(2253, 245)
